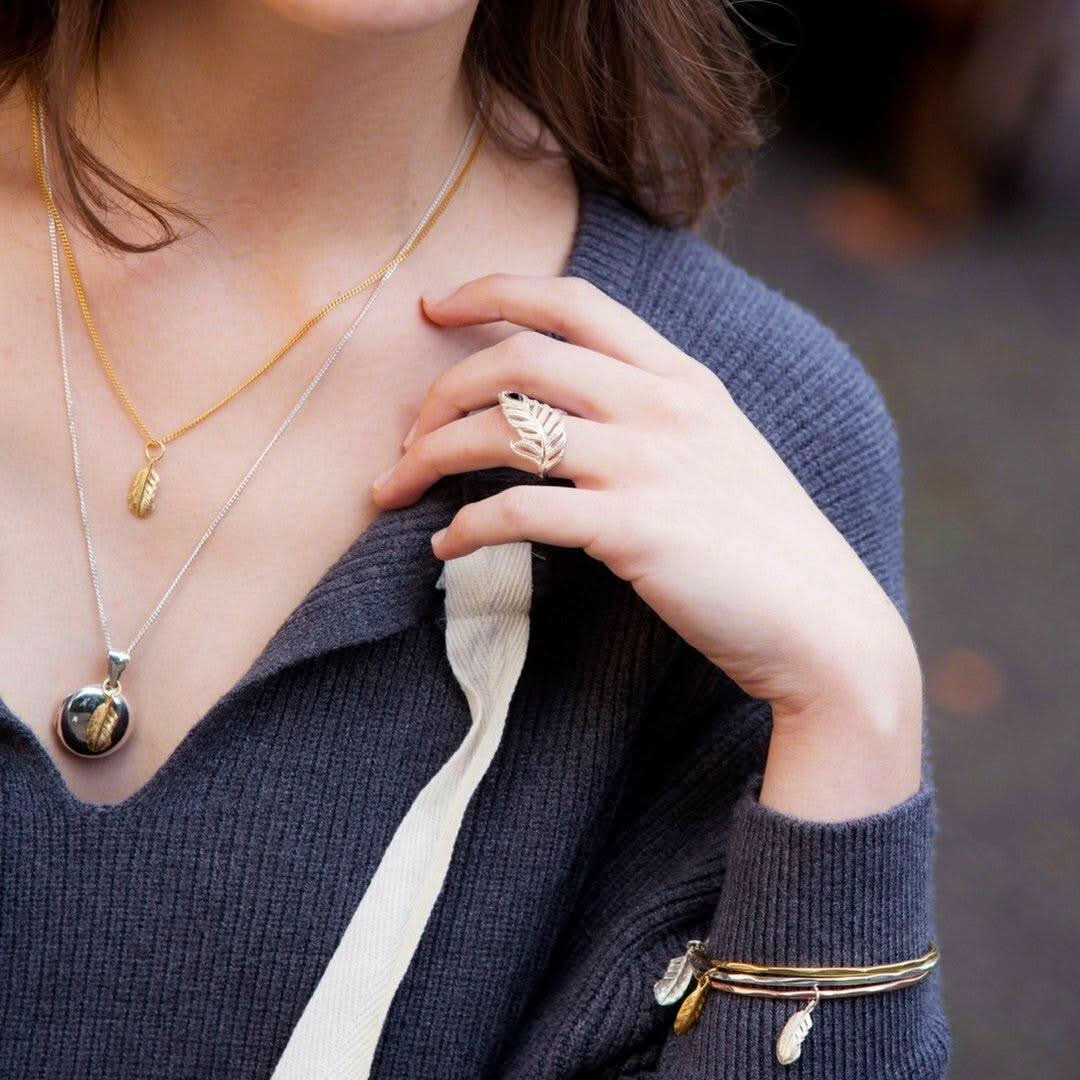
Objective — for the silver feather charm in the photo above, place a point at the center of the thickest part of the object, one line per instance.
(677, 977)
(793, 1035)
(542, 436)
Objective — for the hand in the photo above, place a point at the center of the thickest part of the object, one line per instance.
(680, 495)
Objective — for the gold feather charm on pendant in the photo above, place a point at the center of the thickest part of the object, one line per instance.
(100, 727)
(690, 1009)
(143, 490)
(144, 486)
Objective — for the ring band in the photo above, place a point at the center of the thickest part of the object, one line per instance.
(541, 432)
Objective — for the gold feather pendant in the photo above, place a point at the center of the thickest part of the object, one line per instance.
(143, 491)
(690, 1009)
(101, 726)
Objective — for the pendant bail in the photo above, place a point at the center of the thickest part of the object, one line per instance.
(118, 661)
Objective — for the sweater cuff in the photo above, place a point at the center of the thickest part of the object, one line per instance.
(845, 893)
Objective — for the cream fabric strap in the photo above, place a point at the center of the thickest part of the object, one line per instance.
(487, 629)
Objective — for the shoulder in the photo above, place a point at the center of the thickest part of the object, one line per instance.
(800, 385)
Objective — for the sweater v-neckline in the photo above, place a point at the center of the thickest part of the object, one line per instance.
(382, 584)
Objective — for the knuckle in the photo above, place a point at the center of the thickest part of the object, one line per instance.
(578, 290)
(669, 403)
(706, 381)
(514, 507)
(425, 451)
(442, 386)
(568, 303)
(460, 526)
(522, 348)
(495, 283)
(717, 388)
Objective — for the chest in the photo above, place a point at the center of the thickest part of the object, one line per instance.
(306, 504)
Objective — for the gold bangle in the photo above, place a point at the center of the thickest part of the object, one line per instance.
(817, 992)
(930, 957)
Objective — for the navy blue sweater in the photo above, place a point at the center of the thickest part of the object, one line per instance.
(178, 934)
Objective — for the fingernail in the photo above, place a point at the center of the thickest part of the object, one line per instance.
(437, 538)
(407, 441)
(382, 478)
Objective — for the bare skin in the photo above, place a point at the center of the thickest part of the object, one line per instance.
(183, 326)
(275, 156)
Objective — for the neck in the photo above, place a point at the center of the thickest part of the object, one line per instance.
(268, 131)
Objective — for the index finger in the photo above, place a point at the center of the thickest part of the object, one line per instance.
(571, 307)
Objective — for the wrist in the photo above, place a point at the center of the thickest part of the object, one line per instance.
(850, 743)
(863, 673)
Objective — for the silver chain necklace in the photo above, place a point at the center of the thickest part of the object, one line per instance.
(96, 720)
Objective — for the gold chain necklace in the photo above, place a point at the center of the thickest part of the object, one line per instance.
(143, 490)
(96, 720)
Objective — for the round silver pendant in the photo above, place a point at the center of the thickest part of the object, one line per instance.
(92, 723)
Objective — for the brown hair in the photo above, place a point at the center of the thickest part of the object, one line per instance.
(654, 99)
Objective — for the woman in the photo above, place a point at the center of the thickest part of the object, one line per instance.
(716, 733)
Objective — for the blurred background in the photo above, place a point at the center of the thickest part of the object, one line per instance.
(922, 196)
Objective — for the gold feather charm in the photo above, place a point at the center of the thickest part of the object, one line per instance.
(101, 726)
(144, 486)
(690, 1009)
(143, 490)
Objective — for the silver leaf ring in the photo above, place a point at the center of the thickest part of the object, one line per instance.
(540, 429)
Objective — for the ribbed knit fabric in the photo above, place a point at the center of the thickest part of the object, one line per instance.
(179, 934)
(488, 595)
